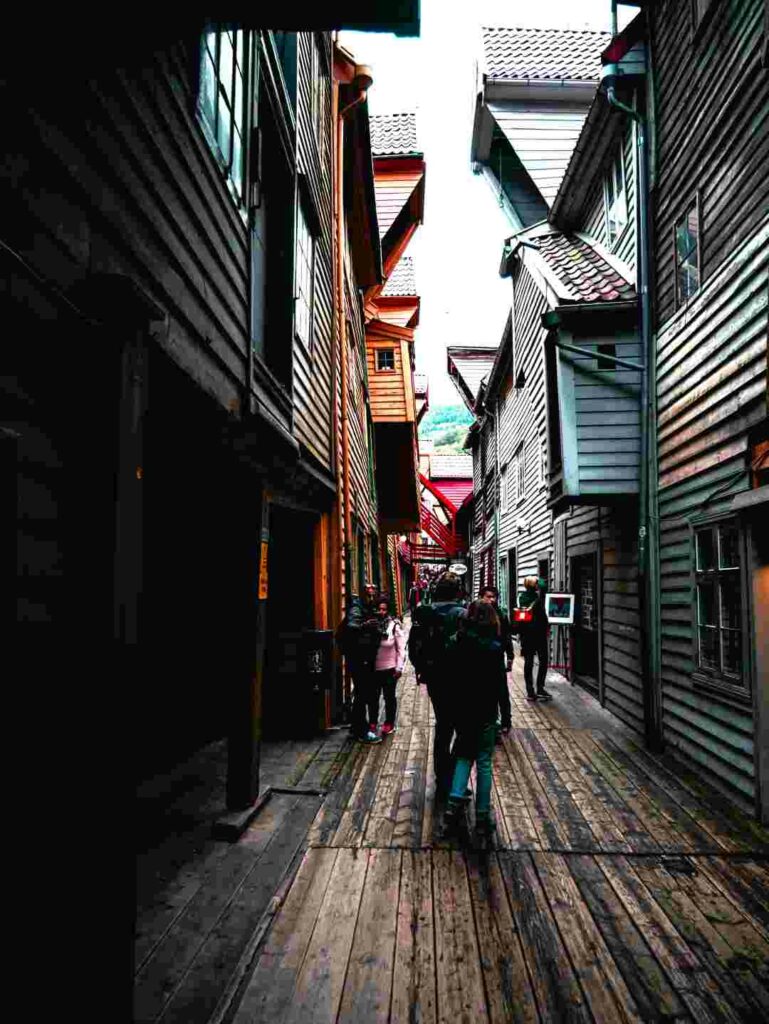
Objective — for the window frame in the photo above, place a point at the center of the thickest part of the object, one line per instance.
(692, 202)
(504, 490)
(306, 212)
(704, 678)
(520, 473)
(390, 350)
(209, 124)
(319, 72)
(618, 161)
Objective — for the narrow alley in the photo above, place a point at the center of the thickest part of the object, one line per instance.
(615, 889)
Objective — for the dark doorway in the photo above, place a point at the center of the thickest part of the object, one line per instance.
(585, 629)
(290, 612)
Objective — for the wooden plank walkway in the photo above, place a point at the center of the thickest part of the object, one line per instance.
(616, 889)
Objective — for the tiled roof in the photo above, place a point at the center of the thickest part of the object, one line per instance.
(546, 54)
(451, 467)
(393, 134)
(420, 384)
(401, 281)
(583, 270)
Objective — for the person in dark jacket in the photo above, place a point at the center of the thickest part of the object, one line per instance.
(490, 595)
(534, 637)
(359, 637)
(477, 655)
(434, 627)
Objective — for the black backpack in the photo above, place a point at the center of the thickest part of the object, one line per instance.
(432, 635)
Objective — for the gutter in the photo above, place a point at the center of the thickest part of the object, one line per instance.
(648, 539)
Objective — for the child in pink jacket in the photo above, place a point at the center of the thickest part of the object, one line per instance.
(389, 664)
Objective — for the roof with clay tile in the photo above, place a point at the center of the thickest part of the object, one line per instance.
(583, 269)
(394, 134)
(544, 54)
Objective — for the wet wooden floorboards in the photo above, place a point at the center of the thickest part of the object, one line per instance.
(616, 889)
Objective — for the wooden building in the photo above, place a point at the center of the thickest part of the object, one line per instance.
(710, 216)
(186, 411)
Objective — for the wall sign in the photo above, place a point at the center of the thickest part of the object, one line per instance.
(263, 574)
(560, 609)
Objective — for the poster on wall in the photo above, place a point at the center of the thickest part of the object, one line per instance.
(560, 609)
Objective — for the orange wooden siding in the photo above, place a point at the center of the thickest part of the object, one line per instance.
(387, 389)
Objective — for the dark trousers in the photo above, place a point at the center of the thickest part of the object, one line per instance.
(504, 702)
(443, 708)
(538, 646)
(363, 700)
(384, 683)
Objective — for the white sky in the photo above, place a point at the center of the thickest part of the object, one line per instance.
(457, 250)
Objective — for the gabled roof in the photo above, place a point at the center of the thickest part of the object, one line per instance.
(543, 54)
(467, 367)
(394, 135)
(584, 271)
(402, 280)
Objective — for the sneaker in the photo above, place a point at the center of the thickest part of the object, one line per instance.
(531, 698)
(506, 730)
(388, 729)
(544, 695)
(370, 737)
(451, 817)
(485, 823)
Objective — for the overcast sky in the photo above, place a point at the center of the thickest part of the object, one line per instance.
(457, 250)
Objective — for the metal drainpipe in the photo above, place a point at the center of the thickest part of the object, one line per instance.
(647, 530)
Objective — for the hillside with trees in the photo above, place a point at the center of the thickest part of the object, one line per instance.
(446, 426)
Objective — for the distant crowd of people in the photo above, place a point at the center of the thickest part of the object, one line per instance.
(451, 642)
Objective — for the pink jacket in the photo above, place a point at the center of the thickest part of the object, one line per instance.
(392, 648)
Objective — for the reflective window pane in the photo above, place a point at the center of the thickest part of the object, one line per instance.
(728, 547)
(238, 108)
(709, 655)
(239, 37)
(210, 42)
(226, 57)
(208, 89)
(237, 162)
(692, 226)
(706, 550)
(731, 602)
(731, 647)
(707, 612)
(223, 129)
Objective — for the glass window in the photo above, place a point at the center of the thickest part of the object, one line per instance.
(503, 492)
(520, 462)
(616, 200)
(687, 254)
(222, 100)
(318, 99)
(719, 586)
(305, 273)
(385, 359)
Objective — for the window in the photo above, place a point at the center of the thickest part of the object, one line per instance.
(285, 47)
(520, 466)
(318, 100)
(305, 280)
(718, 605)
(687, 254)
(503, 490)
(616, 200)
(223, 101)
(385, 359)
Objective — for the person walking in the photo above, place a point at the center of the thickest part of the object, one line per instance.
(477, 655)
(534, 637)
(490, 595)
(388, 666)
(414, 595)
(358, 637)
(430, 643)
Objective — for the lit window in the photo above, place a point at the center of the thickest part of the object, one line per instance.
(616, 200)
(385, 359)
(305, 275)
(223, 99)
(687, 254)
(718, 578)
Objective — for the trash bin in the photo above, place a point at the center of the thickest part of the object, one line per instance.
(317, 671)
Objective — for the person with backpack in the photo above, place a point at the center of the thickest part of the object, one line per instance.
(534, 628)
(358, 637)
(490, 595)
(431, 641)
(477, 654)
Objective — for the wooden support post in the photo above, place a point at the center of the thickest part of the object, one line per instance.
(245, 729)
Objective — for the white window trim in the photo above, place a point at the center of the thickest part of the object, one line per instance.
(301, 219)
(385, 369)
(617, 161)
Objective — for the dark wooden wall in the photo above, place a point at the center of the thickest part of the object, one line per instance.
(711, 107)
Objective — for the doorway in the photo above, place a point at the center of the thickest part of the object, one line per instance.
(512, 580)
(290, 611)
(585, 632)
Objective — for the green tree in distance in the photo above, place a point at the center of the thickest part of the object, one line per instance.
(446, 426)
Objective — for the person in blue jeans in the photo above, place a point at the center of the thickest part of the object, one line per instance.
(477, 653)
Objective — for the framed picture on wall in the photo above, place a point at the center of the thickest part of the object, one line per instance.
(560, 609)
